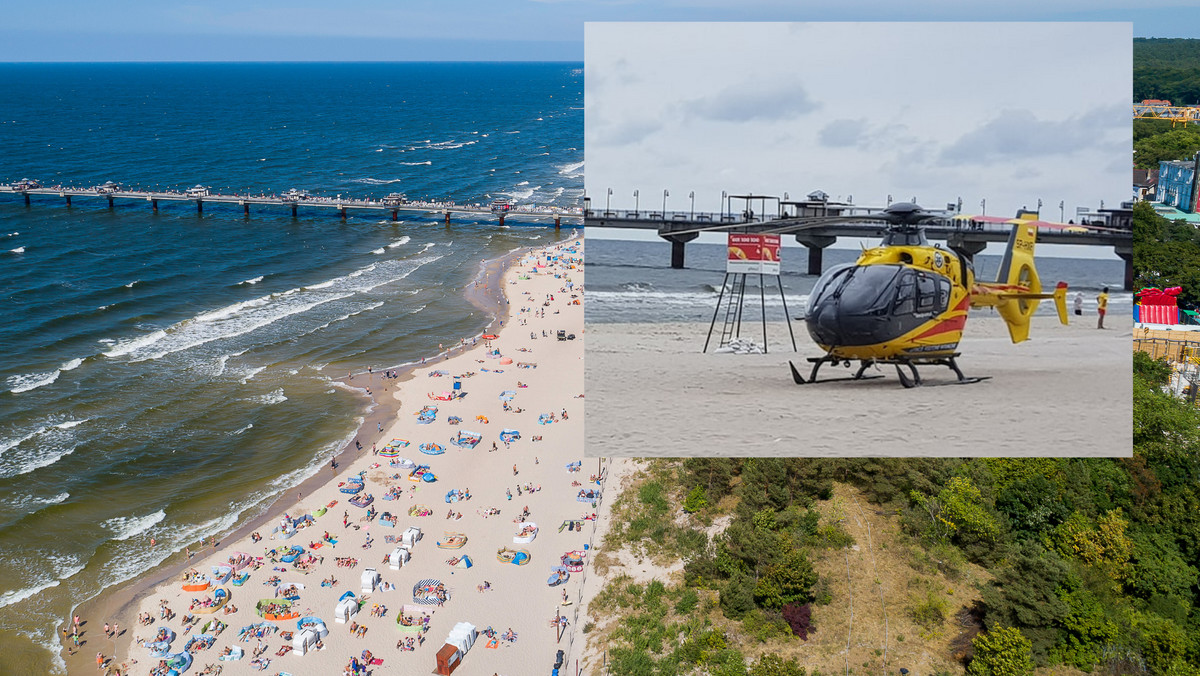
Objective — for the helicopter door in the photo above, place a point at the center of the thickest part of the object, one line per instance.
(927, 294)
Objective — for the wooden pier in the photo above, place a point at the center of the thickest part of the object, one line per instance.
(340, 206)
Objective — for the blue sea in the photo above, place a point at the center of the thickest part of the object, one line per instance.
(632, 281)
(166, 375)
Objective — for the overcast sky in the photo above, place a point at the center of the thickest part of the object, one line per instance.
(435, 30)
(1003, 112)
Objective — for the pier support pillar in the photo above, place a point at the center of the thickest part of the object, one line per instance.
(966, 247)
(557, 222)
(110, 202)
(154, 206)
(501, 215)
(68, 200)
(816, 249)
(293, 211)
(246, 209)
(1126, 254)
(677, 247)
(26, 199)
(395, 214)
(447, 219)
(200, 207)
(342, 212)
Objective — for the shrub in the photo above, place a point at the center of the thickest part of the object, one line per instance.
(1003, 651)
(799, 618)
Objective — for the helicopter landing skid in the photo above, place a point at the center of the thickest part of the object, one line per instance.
(915, 381)
(818, 361)
(905, 380)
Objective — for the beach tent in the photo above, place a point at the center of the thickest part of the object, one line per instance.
(462, 636)
(425, 592)
(282, 588)
(370, 580)
(398, 557)
(234, 654)
(509, 435)
(304, 641)
(220, 574)
(178, 663)
(454, 495)
(464, 562)
(507, 395)
(526, 532)
(347, 608)
(410, 536)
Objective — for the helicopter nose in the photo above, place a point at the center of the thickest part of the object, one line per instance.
(823, 323)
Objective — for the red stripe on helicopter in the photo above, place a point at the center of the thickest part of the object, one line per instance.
(945, 326)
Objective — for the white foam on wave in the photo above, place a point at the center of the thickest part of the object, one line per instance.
(14, 442)
(251, 315)
(13, 234)
(270, 398)
(19, 249)
(17, 595)
(400, 242)
(571, 170)
(426, 163)
(522, 194)
(256, 280)
(130, 285)
(428, 246)
(253, 372)
(71, 423)
(125, 527)
(37, 463)
(72, 364)
(31, 381)
(377, 251)
(241, 429)
(377, 181)
(523, 183)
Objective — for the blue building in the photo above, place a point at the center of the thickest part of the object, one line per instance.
(1177, 184)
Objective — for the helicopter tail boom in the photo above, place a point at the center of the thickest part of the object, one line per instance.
(1017, 290)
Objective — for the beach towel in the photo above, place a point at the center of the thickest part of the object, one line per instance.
(377, 662)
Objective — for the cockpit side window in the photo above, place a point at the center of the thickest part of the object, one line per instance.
(927, 295)
(906, 288)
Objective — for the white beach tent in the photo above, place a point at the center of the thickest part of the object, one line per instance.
(410, 536)
(347, 608)
(305, 640)
(398, 557)
(370, 579)
(462, 636)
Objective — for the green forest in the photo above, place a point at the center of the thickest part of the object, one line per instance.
(1090, 563)
(1166, 68)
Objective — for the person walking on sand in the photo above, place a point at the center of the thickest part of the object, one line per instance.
(1079, 304)
(99, 661)
(1102, 307)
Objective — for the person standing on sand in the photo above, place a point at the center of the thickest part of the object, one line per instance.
(1079, 304)
(1102, 302)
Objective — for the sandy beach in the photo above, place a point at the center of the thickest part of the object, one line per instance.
(1065, 392)
(525, 380)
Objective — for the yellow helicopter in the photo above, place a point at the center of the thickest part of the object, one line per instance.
(905, 302)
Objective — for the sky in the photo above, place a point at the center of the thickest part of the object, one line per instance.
(997, 114)
(435, 30)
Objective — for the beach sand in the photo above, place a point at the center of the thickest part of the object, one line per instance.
(1064, 392)
(519, 597)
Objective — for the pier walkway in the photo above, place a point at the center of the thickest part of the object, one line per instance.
(297, 201)
(960, 233)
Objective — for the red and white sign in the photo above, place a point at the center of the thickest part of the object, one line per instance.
(753, 253)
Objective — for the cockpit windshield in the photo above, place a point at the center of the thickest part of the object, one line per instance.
(859, 289)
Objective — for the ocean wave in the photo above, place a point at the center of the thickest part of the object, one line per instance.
(270, 398)
(522, 194)
(428, 246)
(35, 463)
(571, 170)
(417, 164)
(252, 372)
(17, 595)
(71, 423)
(130, 285)
(31, 381)
(256, 280)
(377, 251)
(125, 527)
(400, 242)
(19, 249)
(55, 500)
(12, 234)
(377, 181)
(241, 429)
(523, 183)
(123, 348)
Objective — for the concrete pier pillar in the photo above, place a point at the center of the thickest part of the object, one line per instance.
(293, 211)
(447, 219)
(557, 222)
(342, 212)
(68, 199)
(246, 208)
(1126, 254)
(816, 249)
(501, 215)
(677, 247)
(200, 207)
(110, 200)
(395, 214)
(26, 199)
(154, 206)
